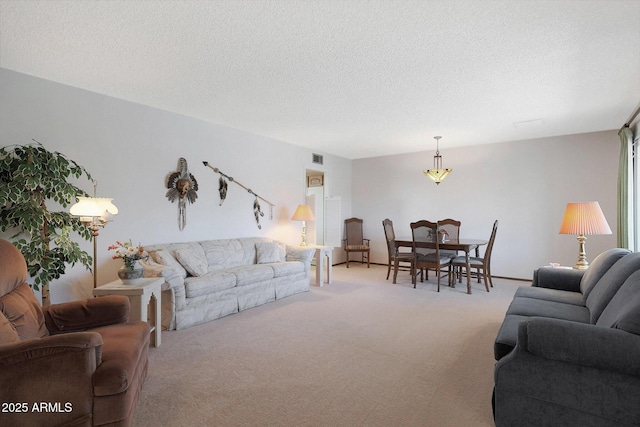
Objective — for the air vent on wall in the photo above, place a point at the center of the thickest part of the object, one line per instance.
(317, 159)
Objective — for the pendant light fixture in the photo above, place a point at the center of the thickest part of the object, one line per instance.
(438, 173)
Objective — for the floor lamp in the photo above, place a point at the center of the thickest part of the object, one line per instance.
(94, 212)
(583, 218)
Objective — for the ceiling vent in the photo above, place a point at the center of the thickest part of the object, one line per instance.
(317, 159)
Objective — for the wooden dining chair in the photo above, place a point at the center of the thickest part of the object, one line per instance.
(427, 258)
(478, 263)
(452, 229)
(355, 242)
(397, 259)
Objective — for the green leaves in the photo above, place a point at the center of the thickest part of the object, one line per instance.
(30, 176)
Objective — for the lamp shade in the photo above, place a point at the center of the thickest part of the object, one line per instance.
(94, 207)
(303, 213)
(584, 218)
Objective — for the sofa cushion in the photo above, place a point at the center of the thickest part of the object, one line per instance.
(557, 295)
(221, 254)
(600, 265)
(8, 333)
(213, 281)
(22, 309)
(623, 312)
(249, 274)
(536, 307)
(193, 260)
(603, 291)
(283, 269)
(267, 252)
(165, 258)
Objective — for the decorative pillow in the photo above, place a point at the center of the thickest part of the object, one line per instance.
(267, 252)
(23, 310)
(165, 258)
(192, 261)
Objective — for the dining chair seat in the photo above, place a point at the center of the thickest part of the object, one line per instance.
(444, 258)
(473, 261)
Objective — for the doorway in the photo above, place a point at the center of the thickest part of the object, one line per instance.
(315, 196)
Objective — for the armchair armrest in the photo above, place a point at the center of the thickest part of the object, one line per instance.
(86, 314)
(57, 368)
(564, 279)
(581, 344)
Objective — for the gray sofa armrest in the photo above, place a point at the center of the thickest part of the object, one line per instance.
(564, 279)
(581, 344)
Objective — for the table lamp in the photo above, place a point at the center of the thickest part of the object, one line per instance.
(303, 213)
(582, 219)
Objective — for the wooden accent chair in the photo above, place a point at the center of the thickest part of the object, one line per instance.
(478, 263)
(354, 240)
(427, 258)
(396, 258)
(83, 355)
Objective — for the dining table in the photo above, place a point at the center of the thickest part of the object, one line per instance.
(465, 245)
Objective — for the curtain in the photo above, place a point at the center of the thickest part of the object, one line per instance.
(625, 191)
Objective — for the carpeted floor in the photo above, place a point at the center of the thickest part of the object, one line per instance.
(358, 352)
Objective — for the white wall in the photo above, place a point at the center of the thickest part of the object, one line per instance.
(525, 185)
(130, 149)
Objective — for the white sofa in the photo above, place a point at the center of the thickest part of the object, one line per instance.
(213, 278)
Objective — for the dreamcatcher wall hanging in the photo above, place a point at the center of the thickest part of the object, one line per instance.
(182, 185)
(223, 184)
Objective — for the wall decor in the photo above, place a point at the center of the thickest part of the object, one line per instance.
(182, 185)
(257, 210)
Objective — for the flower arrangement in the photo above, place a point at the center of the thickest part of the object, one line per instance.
(128, 252)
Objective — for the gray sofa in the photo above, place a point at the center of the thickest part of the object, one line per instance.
(213, 278)
(568, 351)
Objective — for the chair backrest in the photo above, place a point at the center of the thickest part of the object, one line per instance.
(21, 316)
(390, 235)
(424, 231)
(353, 231)
(492, 239)
(451, 227)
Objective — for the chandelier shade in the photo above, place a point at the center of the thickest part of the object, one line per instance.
(438, 173)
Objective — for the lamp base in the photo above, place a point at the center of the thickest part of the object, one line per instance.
(582, 263)
(304, 234)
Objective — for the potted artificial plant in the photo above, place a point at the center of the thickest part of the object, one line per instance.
(30, 177)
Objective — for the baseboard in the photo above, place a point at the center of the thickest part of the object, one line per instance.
(519, 279)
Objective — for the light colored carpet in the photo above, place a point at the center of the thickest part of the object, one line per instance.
(358, 352)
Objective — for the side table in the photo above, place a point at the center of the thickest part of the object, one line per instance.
(143, 293)
(323, 253)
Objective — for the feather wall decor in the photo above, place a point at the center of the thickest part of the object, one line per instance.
(182, 185)
(223, 187)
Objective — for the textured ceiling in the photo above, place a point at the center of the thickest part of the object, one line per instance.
(348, 77)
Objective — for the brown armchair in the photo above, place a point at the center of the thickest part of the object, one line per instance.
(77, 363)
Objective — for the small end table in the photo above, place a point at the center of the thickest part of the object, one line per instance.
(142, 293)
(323, 254)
